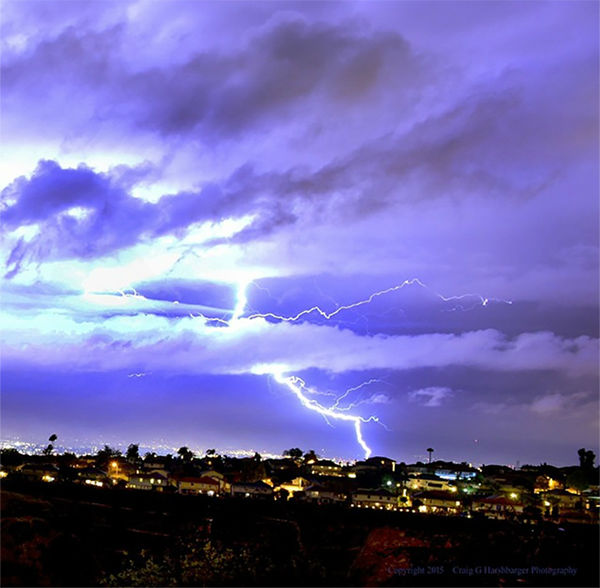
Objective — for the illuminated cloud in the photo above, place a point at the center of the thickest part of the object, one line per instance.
(155, 159)
(432, 396)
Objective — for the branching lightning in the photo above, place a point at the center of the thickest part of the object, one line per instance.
(297, 385)
(353, 389)
(328, 315)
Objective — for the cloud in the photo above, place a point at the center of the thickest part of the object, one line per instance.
(432, 396)
(187, 345)
(213, 94)
(554, 403)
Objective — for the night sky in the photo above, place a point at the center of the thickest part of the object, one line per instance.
(180, 180)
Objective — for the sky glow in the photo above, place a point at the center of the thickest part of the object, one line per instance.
(223, 223)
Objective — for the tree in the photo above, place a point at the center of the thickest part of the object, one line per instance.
(50, 448)
(586, 458)
(257, 456)
(282, 494)
(211, 451)
(430, 450)
(578, 479)
(185, 454)
(133, 453)
(310, 456)
(294, 453)
(106, 454)
(11, 456)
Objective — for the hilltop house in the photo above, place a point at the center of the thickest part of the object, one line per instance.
(498, 506)
(197, 485)
(437, 501)
(251, 489)
(152, 481)
(374, 498)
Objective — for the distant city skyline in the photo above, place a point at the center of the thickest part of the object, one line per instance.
(358, 228)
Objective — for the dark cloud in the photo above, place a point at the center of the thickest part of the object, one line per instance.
(215, 95)
(370, 143)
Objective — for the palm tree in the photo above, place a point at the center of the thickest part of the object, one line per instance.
(430, 451)
(50, 448)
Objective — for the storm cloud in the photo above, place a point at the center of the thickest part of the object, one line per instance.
(159, 160)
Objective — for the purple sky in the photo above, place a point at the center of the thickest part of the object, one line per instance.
(159, 159)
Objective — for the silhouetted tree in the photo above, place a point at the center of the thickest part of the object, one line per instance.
(586, 458)
(282, 494)
(310, 456)
(185, 454)
(106, 454)
(50, 448)
(579, 479)
(11, 456)
(294, 453)
(133, 453)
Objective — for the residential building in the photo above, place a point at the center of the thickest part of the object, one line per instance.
(197, 485)
(326, 467)
(429, 482)
(374, 498)
(437, 501)
(251, 489)
(152, 481)
(498, 506)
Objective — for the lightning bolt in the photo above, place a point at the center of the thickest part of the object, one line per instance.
(328, 315)
(354, 389)
(298, 387)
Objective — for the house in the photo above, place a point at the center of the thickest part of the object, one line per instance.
(142, 481)
(217, 477)
(326, 467)
(280, 465)
(36, 472)
(323, 495)
(562, 499)
(456, 472)
(120, 469)
(425, 482)
(543, 483)
(251, 490)
(374, 464)
(85, 461)
(498, 506)
(437, 501)
(93, 477)
(154, 468)
(374, 498)
(298, 484)
(197, 485)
